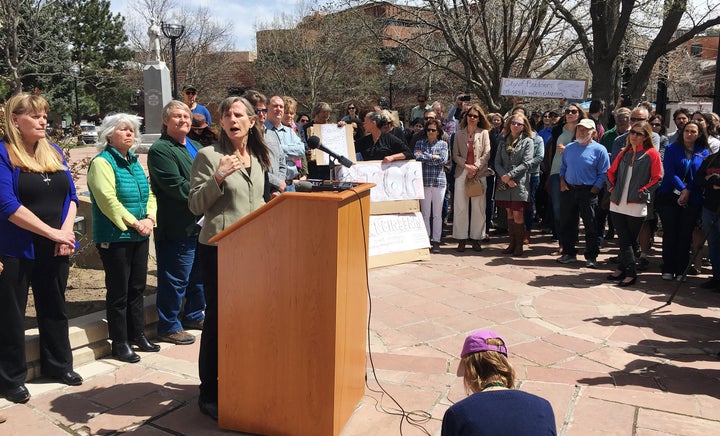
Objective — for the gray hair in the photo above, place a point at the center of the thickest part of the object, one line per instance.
(380, 118)
(320, 107)
(112, 122)
(172, 105)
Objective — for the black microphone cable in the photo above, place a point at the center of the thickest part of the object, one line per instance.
(414, 417)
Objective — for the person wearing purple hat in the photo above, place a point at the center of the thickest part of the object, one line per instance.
(494, 407)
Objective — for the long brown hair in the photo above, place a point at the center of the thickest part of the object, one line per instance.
(647, 140)
(256, 142)
(483, 122)
(47, 158)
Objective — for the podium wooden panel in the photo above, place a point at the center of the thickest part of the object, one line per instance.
(293, 314)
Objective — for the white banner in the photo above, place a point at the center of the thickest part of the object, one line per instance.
(393, 181)
(544, 88)
(397, 232)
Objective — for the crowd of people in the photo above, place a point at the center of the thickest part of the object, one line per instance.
(616, 170)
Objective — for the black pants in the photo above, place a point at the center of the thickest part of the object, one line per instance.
(125, 265)
(628, 230)
(208, 359)
(48, 276)
(579, 202)
(678, 223)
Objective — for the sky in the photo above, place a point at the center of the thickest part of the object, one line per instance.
(246, 13)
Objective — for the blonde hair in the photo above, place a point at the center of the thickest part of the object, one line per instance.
(485, 367)
(47, 158)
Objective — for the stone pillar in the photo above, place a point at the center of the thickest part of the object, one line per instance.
(156, 77)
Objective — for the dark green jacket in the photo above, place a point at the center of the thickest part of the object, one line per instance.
(169, 166)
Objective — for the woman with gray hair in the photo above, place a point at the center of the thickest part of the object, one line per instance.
(379, 144)
(123, 213)
(227, 182)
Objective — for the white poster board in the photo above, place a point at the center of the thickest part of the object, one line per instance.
(544, 88)
(337, 139)
(393, 181)
(397, 232)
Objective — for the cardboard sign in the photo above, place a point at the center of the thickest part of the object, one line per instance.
(396, 233)
(400, 180)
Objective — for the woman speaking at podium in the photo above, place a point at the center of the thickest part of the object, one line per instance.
(227, 182)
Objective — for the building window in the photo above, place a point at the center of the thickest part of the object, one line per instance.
(696, 50)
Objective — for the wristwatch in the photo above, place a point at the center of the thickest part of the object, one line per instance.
(220, 173)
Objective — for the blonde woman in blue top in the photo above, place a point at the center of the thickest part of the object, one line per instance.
(37, 213)
(433, 153)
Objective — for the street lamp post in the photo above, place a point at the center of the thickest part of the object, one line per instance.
(390, 70)
(74, 71)
(173, 30)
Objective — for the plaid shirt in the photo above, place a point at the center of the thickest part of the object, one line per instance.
(433, 168)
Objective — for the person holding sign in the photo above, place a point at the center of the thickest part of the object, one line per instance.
(471, 153)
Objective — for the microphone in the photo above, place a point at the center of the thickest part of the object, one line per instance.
(303, 186)
(313, 143)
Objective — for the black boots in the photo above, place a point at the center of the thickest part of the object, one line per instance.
(144, 344)
(123, 352)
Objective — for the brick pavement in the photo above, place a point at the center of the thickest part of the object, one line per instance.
(612, 361)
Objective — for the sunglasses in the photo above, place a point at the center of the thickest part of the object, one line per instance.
(473, 116)
(190, 92)
(351, 107)
(303, 120)
(259, 111)
(635, 120)
(515, 123)
(571, 111)
(656, 124)
(431, 130)
(636, 133)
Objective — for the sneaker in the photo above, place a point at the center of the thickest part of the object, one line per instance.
(434, 247)
(667, 276)
(180, 337)
(591, 263)
(190, 325)
(566, 258)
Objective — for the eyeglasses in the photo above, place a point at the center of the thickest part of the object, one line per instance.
(474, 116)
(656, 124)
(635, 119)
(259, 111)
(515, 123)
(636, 133)
(571, 111)
(431, 130)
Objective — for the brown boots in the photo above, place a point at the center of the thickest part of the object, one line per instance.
(516, 231)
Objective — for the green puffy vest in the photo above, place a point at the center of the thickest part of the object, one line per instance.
(132, 190)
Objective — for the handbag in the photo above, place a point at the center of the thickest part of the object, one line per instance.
(474, 187)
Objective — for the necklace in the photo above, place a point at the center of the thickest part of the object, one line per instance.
(492, 384)
(46, 179)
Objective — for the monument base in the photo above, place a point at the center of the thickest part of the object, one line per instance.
(158, 93)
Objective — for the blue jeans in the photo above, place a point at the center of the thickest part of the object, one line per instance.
(534, 184)
(179, 276)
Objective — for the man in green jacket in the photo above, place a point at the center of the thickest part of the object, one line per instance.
(169, 162)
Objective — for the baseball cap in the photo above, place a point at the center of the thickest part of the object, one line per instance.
(587, 123)
(477, 341)
(189, 87)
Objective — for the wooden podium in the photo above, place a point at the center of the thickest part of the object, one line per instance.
(293, 314)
